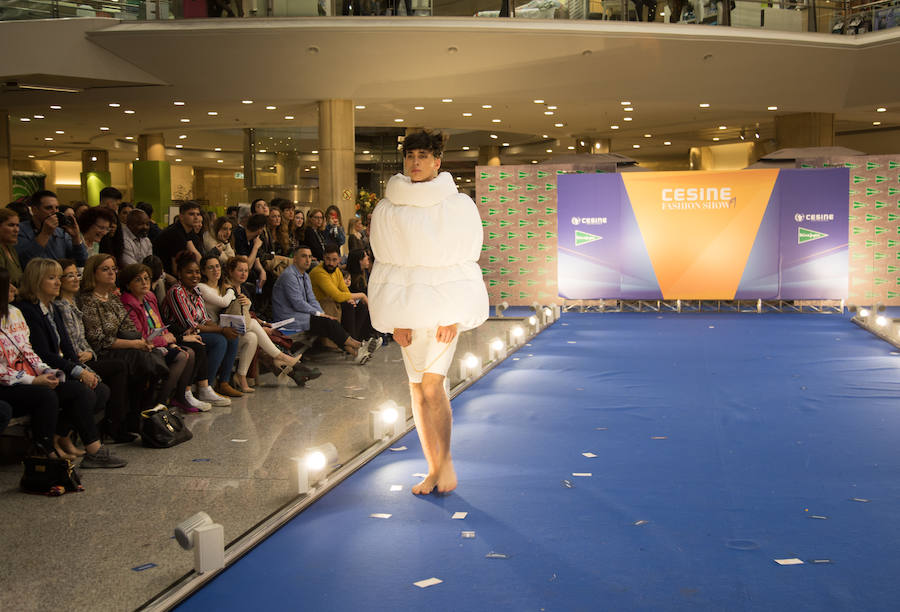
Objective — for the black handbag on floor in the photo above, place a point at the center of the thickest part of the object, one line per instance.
(47, 476)
(162, 428)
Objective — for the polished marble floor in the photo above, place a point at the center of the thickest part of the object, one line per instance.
(79, 551)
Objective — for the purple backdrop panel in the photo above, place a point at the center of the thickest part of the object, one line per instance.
(814, 233)
(589, 211)
(761, 275)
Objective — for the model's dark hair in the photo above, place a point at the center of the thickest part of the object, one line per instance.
(189, 205)
(257, 221)
(331, 247)
(426, 140)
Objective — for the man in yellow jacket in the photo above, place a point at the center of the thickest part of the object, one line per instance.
(351, 309)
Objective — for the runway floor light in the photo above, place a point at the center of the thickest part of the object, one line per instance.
(501, 308)
(311, 467)
(496, 349)
(881, 321)
(206, 538)
(389, 419)
(516, 335)
(469, 366)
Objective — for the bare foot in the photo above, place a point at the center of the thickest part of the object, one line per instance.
(287, 360)
(426, 486)
(69, 448)
(60, 453)
(446, 481)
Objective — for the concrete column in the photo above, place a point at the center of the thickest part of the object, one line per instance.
(95, 174)
(592, 145)
(489, 155)
(337, 168)
(287, 168)
(152, 175)
(804, 130)
(152, 147)
(6, 184)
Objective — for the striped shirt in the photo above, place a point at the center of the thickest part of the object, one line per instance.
(184, 309)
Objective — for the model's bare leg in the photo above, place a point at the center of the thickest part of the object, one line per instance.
(434, 422)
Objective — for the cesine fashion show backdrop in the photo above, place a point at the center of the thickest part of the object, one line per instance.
(771, 233)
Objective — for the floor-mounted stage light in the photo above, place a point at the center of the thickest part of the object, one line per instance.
(496, 349)
(547, 313)
(501, 308)
(310, 468)
(387, 421)
(516, 335)
(206, 538)
(469, 366)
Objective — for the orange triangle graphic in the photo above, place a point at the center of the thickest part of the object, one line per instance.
(698, 240)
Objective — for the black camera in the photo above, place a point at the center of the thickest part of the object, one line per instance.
(64, 219)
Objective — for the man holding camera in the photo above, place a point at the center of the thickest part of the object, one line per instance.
(50, 233)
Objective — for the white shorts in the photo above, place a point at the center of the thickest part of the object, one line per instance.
(426, 354)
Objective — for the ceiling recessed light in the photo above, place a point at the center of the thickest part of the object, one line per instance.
(103, 128)
(876, 123)
(465, 148)
(179, 146)
(312, 167)
(625, 103)
(614, 127)
(314, 152)
(366, 152)
(628, 109)
(275, 107)
(55, 107)
(262, 150)
(38, 116)
(533, 161)
(31, 157)
(544, 136)
(772, 108)
(648, 135)
(418, 108)
(467, 114)
(667, 143)
(289, 117)
(60, 132)
(25, 119)
(635, 146)
(178, 103)
(494, 136)
(704, 105)
(558, 124)
(548, 112)
(114, 105)
(626, 118)
(185, 120)
(447, 100)
(716, 139)
(538, 101)
(128, 111)
(505, 144)
(549, 150)
(52, 150)
(552, 107)
(178, 159)
(571, 147)
(217, 149)
(182, 136)
(495, 121)
(723, 127)
(486, 106)
(129, 138)
(246, 101)
(881, 109)
(212, 113)
(48, 138)
(220, 161)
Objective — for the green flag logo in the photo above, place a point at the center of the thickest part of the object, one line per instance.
(859, 204)
(531, 283)
(485, 271)
(849, 165)
(880, 230)
(483, 175)
(493, 282)
(504, 199)
(870, 191)
(503, 294)
(511, 187)
(550, 211)
(893, 191)
(529, 211)
(859, 179)
(493, 259)
(523, 271)
(523, 247)
(530, 187)
(542, 198)
(512, 235)
(492, 211)
(550, 259)
(808, 235)
(550, 234)
(522, 174)
(893, 165)
(485, 199)
(541, 246)
(504, 223)
(512, 211)
(880, 281)
(881, 179)
(513, 259)
(504, 247)
(523, 199)
(582, 238)
(492, 188)
(512, 282)
(880, 256)
(869, 244)
(523, 222)
(879, 204)
(870, 217)
(493, 236)
(552, 186)
(872, 165)
(859, 230)
(504, 271)
(531, 259)
(542, 222)
(485, 223)
(542, 174)
(504, 175)
(530, 235)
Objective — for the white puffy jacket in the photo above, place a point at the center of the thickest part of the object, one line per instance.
(426, 238)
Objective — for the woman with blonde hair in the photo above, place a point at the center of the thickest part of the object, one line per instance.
(356, 235)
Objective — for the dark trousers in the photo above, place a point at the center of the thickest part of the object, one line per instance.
(356, 321)
(6, 412)
(114, 376)
(200, 361)
(70, 405)
(331, 329)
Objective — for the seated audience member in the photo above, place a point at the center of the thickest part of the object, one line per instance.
(356, 235)
(141, 305)
(259, 207)
(315, 237)
(351, 309)
(56, 406)
(43, 236)
(78, 208)
(180, 236)
(135, 244)
(9, 237)
(230, 298)
(186, 314)
(217, 241)
(298, 230)
(359, 265)
(157, 277)
(293, 297)
(110, 198)
(6, 412)
(248, 242)
(286, 230)
(275, 260)
(113, 372)
(95, 223)
(333, 227)
(125, 209)
(155, 229)
(112, 334)
(231, 213)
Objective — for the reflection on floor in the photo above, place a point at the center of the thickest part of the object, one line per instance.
(79, 551)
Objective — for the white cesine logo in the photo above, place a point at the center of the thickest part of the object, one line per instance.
(801, 217)
(589, 221)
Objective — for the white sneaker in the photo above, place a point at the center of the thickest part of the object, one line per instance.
(193, 402)
(208, 395)
(374, 344)
(362, 354)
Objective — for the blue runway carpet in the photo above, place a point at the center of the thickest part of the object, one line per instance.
(718, 439)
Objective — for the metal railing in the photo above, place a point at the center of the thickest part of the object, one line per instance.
(825, 16)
